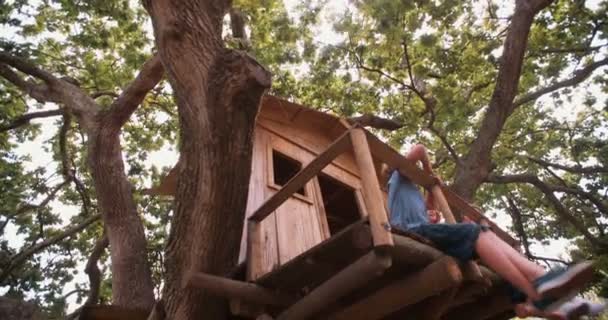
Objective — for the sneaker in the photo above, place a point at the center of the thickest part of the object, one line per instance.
(574, 309)
(596, 308)
(560, 285)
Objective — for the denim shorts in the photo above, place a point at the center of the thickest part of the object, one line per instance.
(456, 240)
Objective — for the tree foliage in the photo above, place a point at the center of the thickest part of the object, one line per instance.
(431, 66)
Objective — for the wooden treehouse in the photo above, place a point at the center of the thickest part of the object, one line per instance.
(317, 243)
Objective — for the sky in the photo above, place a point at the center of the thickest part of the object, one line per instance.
(168, 157)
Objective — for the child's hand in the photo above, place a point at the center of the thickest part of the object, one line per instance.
(434, 216)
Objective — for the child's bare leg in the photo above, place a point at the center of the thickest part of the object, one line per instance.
(530, 269)
(494, 255)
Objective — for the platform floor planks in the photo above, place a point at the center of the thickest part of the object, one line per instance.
(305, 272)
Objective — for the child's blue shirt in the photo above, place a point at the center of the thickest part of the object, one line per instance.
(405, 203)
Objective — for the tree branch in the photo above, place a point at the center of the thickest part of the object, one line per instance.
(27, 68)
(122, 108)
(26, 118)
(69, 173)
(574, 169)
(370, 120)
(560, 209)
(19, 258)
(518, 223)
(579, 76)
(39, 92)
(30, 207)
(92, 270)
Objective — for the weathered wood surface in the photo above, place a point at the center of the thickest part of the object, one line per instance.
(412, 288)
(322, 261)
(353, 276)
(374, 202)
(303, 176)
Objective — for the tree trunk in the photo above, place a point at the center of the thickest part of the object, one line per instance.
(477, 163)
(218, 93)
(132, 285)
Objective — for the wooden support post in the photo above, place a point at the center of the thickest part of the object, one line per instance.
(296, 182)
(435, 278)
(374, 202)
(234, 289)
(353, 276)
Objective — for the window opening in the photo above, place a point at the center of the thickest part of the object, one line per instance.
(340, 203)
(284, 168)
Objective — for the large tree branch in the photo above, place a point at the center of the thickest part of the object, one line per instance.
(27, 68)
(54, 90)
(370, 120)
(39, 92)
(149, 76)
(560, 209)
(19, 258)
(26, 118)
(92, 270)
(579, 76)
(476, 165)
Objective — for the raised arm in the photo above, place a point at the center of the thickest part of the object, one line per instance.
(418, 153)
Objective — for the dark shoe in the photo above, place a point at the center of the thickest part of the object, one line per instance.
(560, 285)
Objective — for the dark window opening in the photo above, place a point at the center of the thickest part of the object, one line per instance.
(340, 203)
(285, 168)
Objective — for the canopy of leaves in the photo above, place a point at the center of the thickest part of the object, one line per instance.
(390, 58)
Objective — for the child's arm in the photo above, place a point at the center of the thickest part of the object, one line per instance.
(418, 153)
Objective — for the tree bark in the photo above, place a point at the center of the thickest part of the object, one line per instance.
(132, 285)
(218, 93)
(476, 164)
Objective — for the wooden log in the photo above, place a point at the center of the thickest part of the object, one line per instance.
(342, 249)
(435, 278)
(302, 177)
(435, 307)
(485, 308)
(411, 252)
(234, 289)
(353, 276)
(374, 202)
(245, 309)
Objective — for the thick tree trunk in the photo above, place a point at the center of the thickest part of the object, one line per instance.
(132, 285)
(477, 163)
(218, 92)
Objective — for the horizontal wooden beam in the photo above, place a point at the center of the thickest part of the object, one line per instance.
(368, 267)
(302, 177)
(438, 276)
(233, 289)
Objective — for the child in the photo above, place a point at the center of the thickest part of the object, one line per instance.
(544, 292)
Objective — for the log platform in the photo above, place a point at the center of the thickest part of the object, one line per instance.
(347, 277)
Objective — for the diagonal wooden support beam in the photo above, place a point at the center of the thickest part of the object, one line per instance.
(435, 278)
(228, 288)
(350, 278)
(303, 176)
